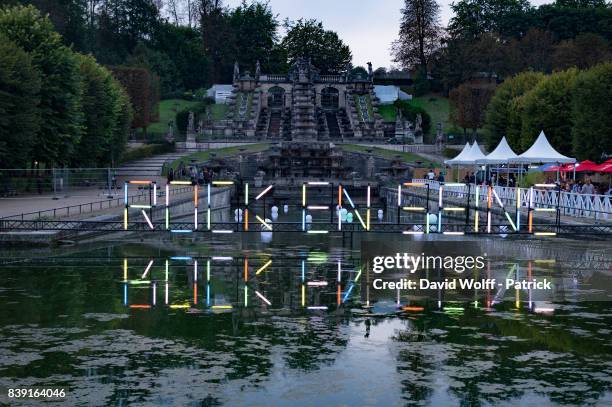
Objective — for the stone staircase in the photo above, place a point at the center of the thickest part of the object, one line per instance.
(345, 123)
(262, 123)
(303, 121)
(147, 168)
(332, 125)
(274, 125)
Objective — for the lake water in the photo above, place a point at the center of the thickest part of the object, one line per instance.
(298, 331)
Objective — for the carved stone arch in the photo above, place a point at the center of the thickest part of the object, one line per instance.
(276, 97)
(330, 97)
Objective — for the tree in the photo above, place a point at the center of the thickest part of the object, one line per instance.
(68, 18)
(123, 24)
(582, 52)
(534, 50)
(567, 22)
(548, 107)
(502, 117)
(359, 70)
(19, 100)
(468, 104)
(308, 38)
(215, 35)
(60, 116)
(591, 117)
(472, 18)
(419, 35)
(177, 56)
(137, 84)
(106, 110)
(254, 30)
(160, 63)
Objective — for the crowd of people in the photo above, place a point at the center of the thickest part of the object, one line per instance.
(200, 176)
(585, 187)
(580, 186)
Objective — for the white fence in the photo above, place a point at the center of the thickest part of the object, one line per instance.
(598, 207)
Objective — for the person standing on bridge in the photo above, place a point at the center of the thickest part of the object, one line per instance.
(588, 188)
(431, 175)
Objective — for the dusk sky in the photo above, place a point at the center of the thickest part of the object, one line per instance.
(368, 26)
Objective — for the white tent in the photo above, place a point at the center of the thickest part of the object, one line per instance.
(460, 156)
(542, 152)
(474, 154)
(501, 155)
(469, 158)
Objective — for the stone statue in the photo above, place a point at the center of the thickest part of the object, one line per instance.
(236, 71)
(170, 133)
(347, 72)
(418, 124)
(201, 126)
(370, 73)
(190, 123)
(370, 167)
(257, 70)
(439, 136)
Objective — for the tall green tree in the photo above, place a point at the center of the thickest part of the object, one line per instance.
(106, 109)
(592, 113)
(534, 51)
(472, 18)
(255, 31)
(60, 115)
(68, 18)
(582, 52)
(121, 26)
(183, 47)
(566, 20)
(215, 34)
(419, 35)
(19, 105)
(503, 117)
(308, 38)
(547, 107)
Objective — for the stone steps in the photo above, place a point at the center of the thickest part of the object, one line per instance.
(147, 167)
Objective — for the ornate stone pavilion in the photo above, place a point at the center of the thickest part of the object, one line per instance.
(301, 106)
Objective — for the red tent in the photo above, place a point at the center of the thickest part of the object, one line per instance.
(605, 167)
(586, 165)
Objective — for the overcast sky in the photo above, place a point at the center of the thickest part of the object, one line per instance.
(368, 26)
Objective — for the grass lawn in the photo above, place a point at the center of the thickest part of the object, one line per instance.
(220, 152)
(218, 112)
(388, 112)
(389, 154)
(438, 108)
(167, 111)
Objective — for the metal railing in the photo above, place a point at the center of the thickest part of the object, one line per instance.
(90, 207)
(596, 207)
